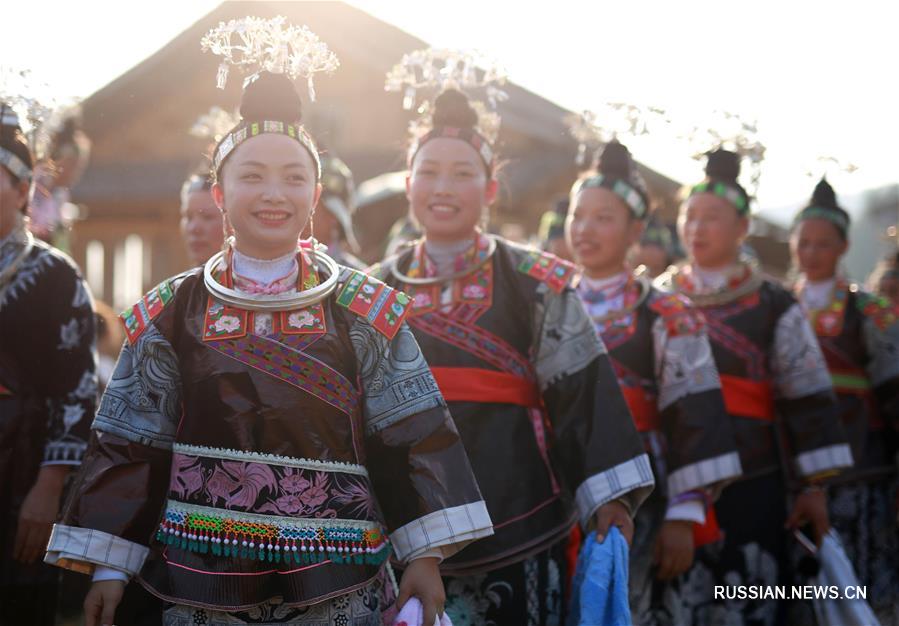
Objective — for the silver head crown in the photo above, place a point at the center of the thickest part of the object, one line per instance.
(214, 124)
(728, 131)
(615, 120)
(433, 71)
(256, 45)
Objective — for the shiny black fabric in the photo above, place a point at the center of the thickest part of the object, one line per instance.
(586, 425)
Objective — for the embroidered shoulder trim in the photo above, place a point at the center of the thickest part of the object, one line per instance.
(877, 308)
(548, 268)
(271, 459)
(384, 307)
(680, 317)
(138, 317)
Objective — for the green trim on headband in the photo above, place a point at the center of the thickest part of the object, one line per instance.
(15, 165)
(624, 190)
(253, 129)
(723, 191)
(816, 212)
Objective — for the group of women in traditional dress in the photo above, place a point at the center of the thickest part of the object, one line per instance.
(284, 430)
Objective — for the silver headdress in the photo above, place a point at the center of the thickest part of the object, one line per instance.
(214, 124)
(828, 165)
(38, 114)
(614, 120)
(433, 71)
(728, 131)
(259, 45)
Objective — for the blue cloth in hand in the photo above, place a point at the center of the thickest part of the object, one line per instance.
(599, 587)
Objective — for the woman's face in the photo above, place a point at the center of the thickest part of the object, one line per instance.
(201, 226)
(267, 194)
(817, 246)
(712, 230)
(600, 229)
(448, 189)
(13, 196)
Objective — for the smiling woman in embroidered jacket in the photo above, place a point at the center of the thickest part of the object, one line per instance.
(270, 433)
(527, 379)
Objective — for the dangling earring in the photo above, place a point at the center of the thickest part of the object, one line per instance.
(312, 242)
(228, 230)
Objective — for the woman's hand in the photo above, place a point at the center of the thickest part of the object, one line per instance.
(421, 579)
(101, 601)
(38, 513)
(610, 514)
(674, 549)
(810, 507)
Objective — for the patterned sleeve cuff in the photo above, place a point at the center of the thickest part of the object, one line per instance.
(448, 529)
(102, 573)
(688, 511)
(705, 473)
(64, 452)
(83, 549)
(824, 459)
(631, 481)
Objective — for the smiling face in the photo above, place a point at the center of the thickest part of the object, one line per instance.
(448, 189)
(267, 193)
(600, 229)
(201, 226)
(817, 246)
(712, 230)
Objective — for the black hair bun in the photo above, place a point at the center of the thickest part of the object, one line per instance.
(615, 161)
(452, 108)
(723, 165)
(271, 97)
(824, 195)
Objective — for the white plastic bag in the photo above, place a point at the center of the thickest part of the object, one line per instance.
(836, 570)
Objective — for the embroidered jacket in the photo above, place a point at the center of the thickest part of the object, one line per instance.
(533, 393)
(241, 457)
(859, 336)
(48, 384)
(659, 347)
(772, 373)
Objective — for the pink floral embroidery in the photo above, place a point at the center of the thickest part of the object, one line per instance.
(263, 488)
(187, 476)
(316, 495)
(227, 324)
(359, 498)
(474, 292)
(239, 483)
(301, 319)
(293, 482)
(290, 504)
(422, 298)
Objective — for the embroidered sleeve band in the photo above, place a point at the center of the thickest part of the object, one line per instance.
(82, 549)
(451, 529)
(703, 473)
(614, 483)
(823, 459)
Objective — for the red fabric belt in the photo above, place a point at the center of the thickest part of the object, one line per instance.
(748, 398)
(473, 384)
(644, 408)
